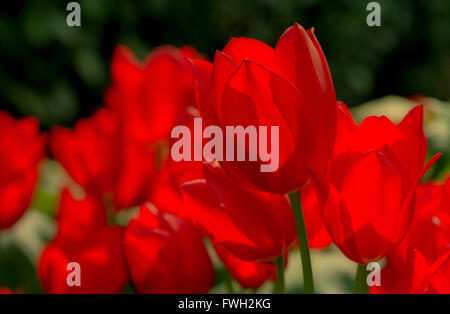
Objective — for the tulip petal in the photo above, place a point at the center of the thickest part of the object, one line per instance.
(250, 275)
(242, 48)
(335, 216)
(166, 92)
(302, 63)
(255, 96)
(279, 102)
(210, 215)
(439, 283)
(409, 153)
(202, 71)
(345, 128)
(237, 107)
(165, 254)
(89, 151)
(126, 77)
(270, 214)
(317, 234)
(375, 133)
(137, 175)
(126, 70)
(15, 197)
(223, 68)
(372, 192)
(87, 212)
(300, 60)
(253, 225)
(326, 78)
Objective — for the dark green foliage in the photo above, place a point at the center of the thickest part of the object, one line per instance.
(58, 73)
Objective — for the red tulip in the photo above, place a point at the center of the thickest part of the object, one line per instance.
(430, 229)
(21, 148)
(183, 171)
(90, 152)
(167, 194)
(252, 84)
(252, 225)
(425, 249)
(250, 275)
(367, 198)
(98, 157)
(84, 237)
(151, 95)
(84, 212)
(438, 280)
(415, 275)
(165, 254)
(138, 174)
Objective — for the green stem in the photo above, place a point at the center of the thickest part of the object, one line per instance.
(308, 281)
(361, 286)
(279, 286)
(229, 283)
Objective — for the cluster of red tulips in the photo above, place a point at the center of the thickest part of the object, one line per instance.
(354, 185)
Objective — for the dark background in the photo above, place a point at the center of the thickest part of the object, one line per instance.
(58, 73)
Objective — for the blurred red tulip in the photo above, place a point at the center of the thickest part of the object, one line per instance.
(86, 212)
(367, 198)
(252, 225)
(116, 152)
(166, 193)
(165, 254)
(90, 152)
(151, 95)
(83, 237)
(183, 171)
(21, 148)
(250, 275)
(252, 84)
(98, 157)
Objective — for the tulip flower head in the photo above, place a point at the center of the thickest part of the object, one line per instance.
(251, 224)
(421, 263)
(165, 254)
(414, 274)
(250, 275)
(252, 84)
(84, 238)
(430, 230)
(151, 96)
(367, 199)
(21, 149)
(98, 157)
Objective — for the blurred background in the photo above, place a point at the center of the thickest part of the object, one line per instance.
(58, 74)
